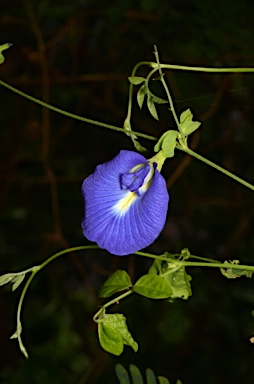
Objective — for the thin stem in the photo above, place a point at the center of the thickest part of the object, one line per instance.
(118, 298)
(213, 263)
(19, 326)
(211, 164)
(34, 271)
(167, 92)
(73, 116)
(68, 250)
(217, 265)
(203, 69)
(131, 86)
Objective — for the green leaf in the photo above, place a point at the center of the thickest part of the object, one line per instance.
(110, 339)
(3, 48)
(122, 374)
(118, 281)
(158, 100)
(17, 281)
(163, 380)
(167, 143)
(186, 116)
(136, 375)
(141, 95)
(7, 278)
(153, 287)
(179, 281)
(151, 107)
(118, 322)
(155, 268)
(150, 377)
(135, 80)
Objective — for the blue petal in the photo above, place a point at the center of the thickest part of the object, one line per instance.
(117, 219)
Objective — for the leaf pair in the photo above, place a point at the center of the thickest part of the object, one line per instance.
(136, 377)
(14, 278)
(151, 98)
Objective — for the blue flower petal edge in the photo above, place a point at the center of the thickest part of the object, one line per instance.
(126, 202)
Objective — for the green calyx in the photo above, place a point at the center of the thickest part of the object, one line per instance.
(159, 159)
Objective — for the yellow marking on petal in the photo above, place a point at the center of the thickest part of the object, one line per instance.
(124, 204)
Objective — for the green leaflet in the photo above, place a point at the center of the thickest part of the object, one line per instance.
(118, 281)
(122, 374)
(141, 95)
(153, 287)
(17, 281)
(150, 377)
(151, 107)
(135, 80)
(136, 376)
(3, 48)
(14, 278)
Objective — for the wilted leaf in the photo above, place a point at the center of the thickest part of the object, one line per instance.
(118, 321)
(110, 339)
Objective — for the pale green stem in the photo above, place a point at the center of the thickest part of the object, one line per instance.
(212, 264)
(34, 271)
(118, 298)
(168, 93)
(203, 69)
(211, 164)
(73, 116)
(131, 87)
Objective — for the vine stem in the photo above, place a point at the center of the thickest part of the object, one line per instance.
(212, 264)
(72, 115)
(118, 298)
(131, 87)
(213, 165)
(35, 270)
(203, 69)
(172, 109)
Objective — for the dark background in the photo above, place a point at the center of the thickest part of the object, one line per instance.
(77, 55)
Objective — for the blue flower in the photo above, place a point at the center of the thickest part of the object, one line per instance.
(126, 202)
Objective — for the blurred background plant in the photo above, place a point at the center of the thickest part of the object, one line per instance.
(77, 56)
